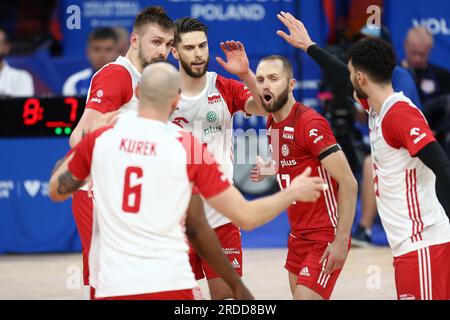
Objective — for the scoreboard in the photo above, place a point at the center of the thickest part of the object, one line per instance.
(40, 117)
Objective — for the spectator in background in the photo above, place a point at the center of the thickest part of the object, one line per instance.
(123, 42)
(102, 48)
(431, 80)
(13, 82)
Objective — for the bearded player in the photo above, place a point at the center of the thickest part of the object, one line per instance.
(207, 105)
(113, 88)
(299, 137)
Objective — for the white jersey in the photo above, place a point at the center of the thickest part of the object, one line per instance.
(208, 116)
(112, 88)
(405, 192)
(143, 180)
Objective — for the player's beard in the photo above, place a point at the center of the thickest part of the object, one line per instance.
(359, 92)
(145, 62)
(277, 102)
(191, 73)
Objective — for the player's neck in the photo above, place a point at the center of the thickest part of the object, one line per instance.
(134, 60)
(190, 86)
(152, 114)
(378, 96)
(284, 112)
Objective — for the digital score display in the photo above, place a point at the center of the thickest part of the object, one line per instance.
(37, 117)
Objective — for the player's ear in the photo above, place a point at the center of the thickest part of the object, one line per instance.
(175, 53)
(292, 83)
(137, 92)
(134, 40)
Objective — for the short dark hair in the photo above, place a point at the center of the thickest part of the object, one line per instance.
(374, 56)
(287, 65)
(5, 33)
(104, 33)
(186, 25)
(153, 14)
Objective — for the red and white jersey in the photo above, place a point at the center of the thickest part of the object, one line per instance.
(143, 171)
(404, 186)
(113, 87)
(208, 116)
(296, 143)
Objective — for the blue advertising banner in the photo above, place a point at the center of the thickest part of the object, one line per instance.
(400, 16)
(29, 220)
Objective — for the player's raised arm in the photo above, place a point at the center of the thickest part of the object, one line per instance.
(298, 37)
(207, 245)
(237, 63)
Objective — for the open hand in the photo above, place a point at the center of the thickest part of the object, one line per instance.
(298, 37)
(237, 60)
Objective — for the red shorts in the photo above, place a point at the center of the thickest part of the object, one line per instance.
(230, 240)
(424, 274)
(82, 208)
(188, 294)
(303, 260)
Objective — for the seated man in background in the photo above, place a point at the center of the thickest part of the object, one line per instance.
(13, 82)
(102, 48)
(432, 81)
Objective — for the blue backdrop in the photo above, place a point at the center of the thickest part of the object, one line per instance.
(399, 16)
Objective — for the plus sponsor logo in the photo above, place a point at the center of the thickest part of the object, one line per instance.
(97, 99)
(288, 163)
(407, 296)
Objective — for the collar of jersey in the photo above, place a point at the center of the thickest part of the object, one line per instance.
(201, 94)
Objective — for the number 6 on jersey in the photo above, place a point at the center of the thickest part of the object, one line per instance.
(131, 201)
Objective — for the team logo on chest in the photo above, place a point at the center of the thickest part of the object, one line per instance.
(285, 150)
(211, 116)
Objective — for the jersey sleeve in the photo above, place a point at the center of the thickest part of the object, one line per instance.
(405, 126)
(234, 92)
(202, 169)
(110, 88)
(317, 135)
(80, 164)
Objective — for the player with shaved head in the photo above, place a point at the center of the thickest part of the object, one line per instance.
(144, 170)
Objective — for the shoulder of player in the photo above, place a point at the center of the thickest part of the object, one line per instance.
(223, 83)
(92, 137)
(398, 111)
(306, 115)
(113, 70)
